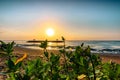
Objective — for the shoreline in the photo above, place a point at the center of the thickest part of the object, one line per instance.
(34, 53)
(106, 57)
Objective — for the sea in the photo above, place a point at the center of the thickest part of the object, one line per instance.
(97, 46)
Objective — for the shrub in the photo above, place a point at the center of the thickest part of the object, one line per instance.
(80, 64)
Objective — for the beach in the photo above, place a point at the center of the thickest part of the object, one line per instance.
(33, 53)
(38, 53)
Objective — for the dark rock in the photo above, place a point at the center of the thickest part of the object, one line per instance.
(93, 49)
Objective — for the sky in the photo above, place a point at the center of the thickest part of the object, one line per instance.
(73, 19)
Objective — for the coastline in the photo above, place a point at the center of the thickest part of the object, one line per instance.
(106, 57)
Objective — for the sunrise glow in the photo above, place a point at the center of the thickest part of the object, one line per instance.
(50, 32)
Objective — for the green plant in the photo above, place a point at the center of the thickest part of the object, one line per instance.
(79, 64)
(13, 69)
(111, 71)
(7, 48)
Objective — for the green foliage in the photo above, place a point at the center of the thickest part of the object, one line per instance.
(7, 47)
(79, 64)
(44, 44)
(63, 38)
(111, 71)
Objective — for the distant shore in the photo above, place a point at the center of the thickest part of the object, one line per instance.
(39, 53)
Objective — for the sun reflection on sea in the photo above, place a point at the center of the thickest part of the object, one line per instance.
(50, 43)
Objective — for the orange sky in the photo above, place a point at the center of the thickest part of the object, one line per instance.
(73, 20)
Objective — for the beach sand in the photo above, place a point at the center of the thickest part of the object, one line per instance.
(39, 53)
(34, 53)
(110, 57)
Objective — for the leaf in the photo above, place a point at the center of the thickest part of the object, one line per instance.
(82, 76)
(87, 51)
(81, 61)
(63, 38)
(68, 55)
(62, 76)
(10, 64)
(62, 51)
(12, 45)
(82, 44)
(46, 54)
(2, 42)
(12, 76)
(4, 47)
(55, 76)
(18, 65)
(54, 59)
(44, 44)
(26, 77)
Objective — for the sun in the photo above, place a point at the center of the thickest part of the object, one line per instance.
(50, 32)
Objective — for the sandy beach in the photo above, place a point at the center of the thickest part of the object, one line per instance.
(34, 53)
(39, 53)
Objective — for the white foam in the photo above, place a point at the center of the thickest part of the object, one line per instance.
(118, 47)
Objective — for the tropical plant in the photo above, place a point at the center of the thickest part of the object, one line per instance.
(80, 64)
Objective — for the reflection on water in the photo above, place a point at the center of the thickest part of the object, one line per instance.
(93, 44)
(97, 45)
(50, 44)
